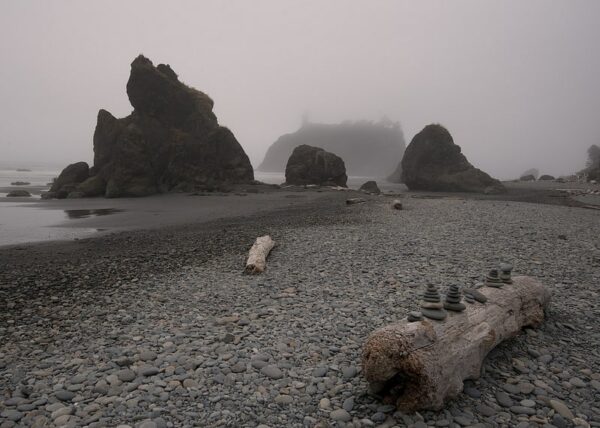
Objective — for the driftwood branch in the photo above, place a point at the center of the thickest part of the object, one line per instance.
(420, 365)
(257, 257)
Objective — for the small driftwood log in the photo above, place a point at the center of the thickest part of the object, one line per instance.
(257, 257)
(421, 365)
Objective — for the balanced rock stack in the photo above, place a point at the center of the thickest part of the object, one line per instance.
(453, 298)
(493, 279)
(505, 273)
(469, 298)
(432, 306)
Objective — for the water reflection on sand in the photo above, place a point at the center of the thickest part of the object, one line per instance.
(26, 222)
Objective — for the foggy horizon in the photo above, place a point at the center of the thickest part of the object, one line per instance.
(515, 83)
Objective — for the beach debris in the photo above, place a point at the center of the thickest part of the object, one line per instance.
(492, 279)
(396, 204)
(421, 366)
(352, 201)
(257, 257)
(453, 299)
(431, 305)
(505, 273)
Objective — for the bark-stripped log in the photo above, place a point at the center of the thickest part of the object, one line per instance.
(420, 365)
(257, 258)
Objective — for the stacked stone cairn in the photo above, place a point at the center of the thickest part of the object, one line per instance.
(505, 273)
(453, 298)
(492, 279)
(432, 306)
(469, 298)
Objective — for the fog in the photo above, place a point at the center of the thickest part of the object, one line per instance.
(516, 83)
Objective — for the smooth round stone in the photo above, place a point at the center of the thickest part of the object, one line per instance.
(415, 316)
(575, 381)
(349, 372)
(148, 371)
(378, 417)
(148, 356)
(527, 403)
(12, 415)
(431, 305)
(126, 375)
(503, 399)
(485, 410)
(477, 295)
(432, 299)
(348, 404)
(340, 415)
(451, 299)
(469, 299)
(324, 404)
(64, 395)
(272, 372)
(472, 392)
(522, 410)
(525, 388)
(434, 314)
(284, 399)
(494, 284)
(456, 307)
(190, 383)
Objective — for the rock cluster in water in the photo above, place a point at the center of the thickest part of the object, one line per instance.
(432, 306)
(369, 149)
(171, 141)
(432, 162)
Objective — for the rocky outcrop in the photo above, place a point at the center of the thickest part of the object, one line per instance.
(171, 142)
(69, 179)
(546, 177)
(432, 162)
(528, 177)
(313, 165)
(370, 187)
(368, 149)
(533, 172)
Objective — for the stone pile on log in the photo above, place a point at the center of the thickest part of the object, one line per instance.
(422, 364)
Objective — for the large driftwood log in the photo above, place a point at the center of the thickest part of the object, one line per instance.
(420, 365)
(257, 258)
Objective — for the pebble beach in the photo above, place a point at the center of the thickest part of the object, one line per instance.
(161, 328)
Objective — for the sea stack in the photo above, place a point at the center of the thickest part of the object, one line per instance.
(432, 162)
(171, 142)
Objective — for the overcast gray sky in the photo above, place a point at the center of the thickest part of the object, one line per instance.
(517, 83)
